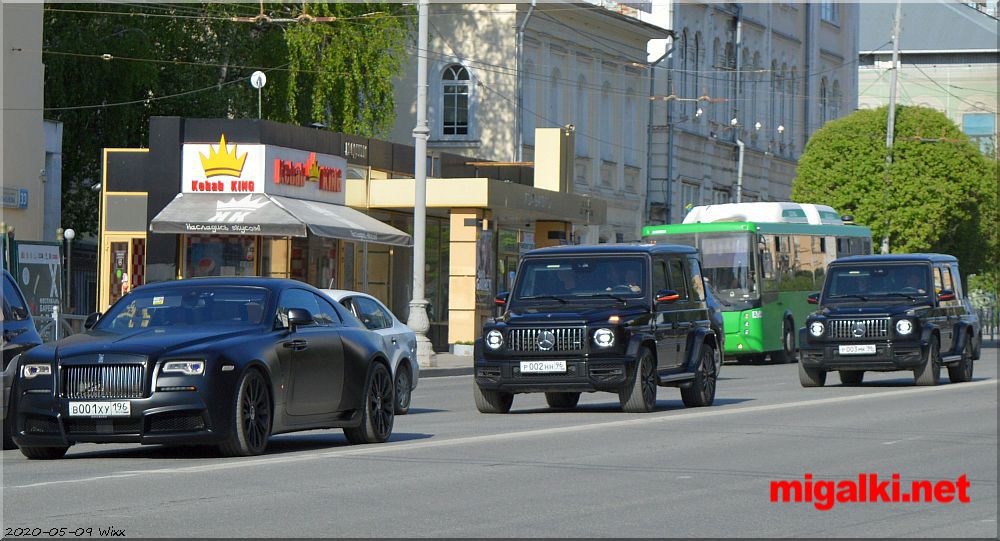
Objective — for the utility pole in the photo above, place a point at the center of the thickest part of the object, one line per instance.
(418, 305)
(891, 127)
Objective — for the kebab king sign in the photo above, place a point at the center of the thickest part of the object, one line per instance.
(237, 168)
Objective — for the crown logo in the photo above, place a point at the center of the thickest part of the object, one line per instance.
(221, 162)
(312, 168)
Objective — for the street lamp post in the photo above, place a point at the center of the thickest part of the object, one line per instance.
(418, 320)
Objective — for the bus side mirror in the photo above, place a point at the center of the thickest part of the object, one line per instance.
(813, 298)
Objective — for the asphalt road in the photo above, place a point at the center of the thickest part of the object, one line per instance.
(450, 471)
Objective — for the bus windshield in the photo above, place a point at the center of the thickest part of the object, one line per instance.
(727, 262)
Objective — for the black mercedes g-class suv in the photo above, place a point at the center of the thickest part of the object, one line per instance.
(890, 312)
(616, 318)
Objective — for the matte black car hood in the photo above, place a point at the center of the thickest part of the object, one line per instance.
(568, 313)
(858, 310)
(152, 342)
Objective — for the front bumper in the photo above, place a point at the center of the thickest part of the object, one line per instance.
(164, 417)
(582, 375)
(888, 356)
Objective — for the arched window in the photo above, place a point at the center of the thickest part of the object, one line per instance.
(529, 105)
(823, 102)
(782, 99)
(696, 89)
(555, 105)
(773, 98)
(582, 117)
(683, 78)
(755, 80)
(746, 118)
(835, 101)
(607, 110)
(717, 76)
(455, 93)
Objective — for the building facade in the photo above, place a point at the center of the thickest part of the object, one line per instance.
(743, 89)
(954, 72)
(496, 72)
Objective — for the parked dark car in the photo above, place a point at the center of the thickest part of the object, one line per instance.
(890, 312)
(617, 318)
(224, 361)
(19, 335)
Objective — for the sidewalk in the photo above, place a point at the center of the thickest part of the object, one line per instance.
(447, 364)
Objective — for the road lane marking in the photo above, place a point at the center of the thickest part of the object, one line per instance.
(472, 440)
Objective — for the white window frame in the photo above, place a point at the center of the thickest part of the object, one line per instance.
(470, 86)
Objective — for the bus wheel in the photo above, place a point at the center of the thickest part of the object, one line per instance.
(787, 352)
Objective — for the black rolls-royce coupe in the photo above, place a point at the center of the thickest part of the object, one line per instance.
(222, 361)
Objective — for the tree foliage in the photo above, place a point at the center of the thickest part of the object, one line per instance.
(193, 60)
(938, 195)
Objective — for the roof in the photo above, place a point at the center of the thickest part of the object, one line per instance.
(339, 294)
(656, 232)
(933, 26)
(897, 258)
(613, 249)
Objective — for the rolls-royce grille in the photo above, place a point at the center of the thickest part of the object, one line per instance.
(859, 328)
(105, 381)
(543, 340)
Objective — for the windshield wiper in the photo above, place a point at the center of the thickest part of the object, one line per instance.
(609, 295)
(862, 297)
(911, 297)
(539, 297)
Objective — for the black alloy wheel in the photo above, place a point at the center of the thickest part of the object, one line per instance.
(252, 419)
(562, 400)
(488, 401)
(702, 390)
(962, 372)
(379, 409)
(640, 396)
(787, 352)
(852, 377)
(929, 373)
(44, 453)
(811, 377)
(403, 384)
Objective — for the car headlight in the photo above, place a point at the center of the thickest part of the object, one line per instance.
(188, 368)
(904, 326)
(604, 338)
(494, 339)
(29, 371)
(816, 328)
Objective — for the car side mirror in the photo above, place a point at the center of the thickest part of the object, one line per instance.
(946, 295)
(297, 317)
(501, 299)
(813, 298)
(91, 320)
(667, 296)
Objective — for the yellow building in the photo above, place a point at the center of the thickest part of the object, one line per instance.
(248, 197)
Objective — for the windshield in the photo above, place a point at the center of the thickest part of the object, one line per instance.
(186, 306)
(865, 281)
(575, 278)
(727, 262)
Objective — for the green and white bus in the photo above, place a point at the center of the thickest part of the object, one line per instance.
(762, 260)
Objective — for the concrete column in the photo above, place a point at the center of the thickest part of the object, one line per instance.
(463, 319)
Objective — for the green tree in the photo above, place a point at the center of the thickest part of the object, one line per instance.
(110, 67)
(938, 195)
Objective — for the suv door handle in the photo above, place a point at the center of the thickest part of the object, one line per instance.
(684, 325)
(296, 345)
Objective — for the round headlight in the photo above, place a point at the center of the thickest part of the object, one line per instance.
(604, 338)
(816, 328)
(494, 339)
(904, 326)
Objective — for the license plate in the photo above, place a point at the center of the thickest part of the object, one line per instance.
(542, 367)
(121, 408)
(857, 349)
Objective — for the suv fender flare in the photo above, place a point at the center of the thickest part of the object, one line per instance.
(966, 331)
(928, 330)
(695, 343)
(636, 341)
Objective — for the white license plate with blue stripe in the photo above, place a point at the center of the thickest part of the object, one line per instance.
(119, 408)
(857, 349)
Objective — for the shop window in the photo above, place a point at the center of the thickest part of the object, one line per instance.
(217, 255)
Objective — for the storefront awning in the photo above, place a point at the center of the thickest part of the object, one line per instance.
(341, 222)
(270, 215)
(226, 214)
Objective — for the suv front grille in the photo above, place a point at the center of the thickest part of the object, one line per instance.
(105, 381)
(539, 340)
(859, 328)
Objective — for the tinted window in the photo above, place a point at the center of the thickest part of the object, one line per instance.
(327, 316)
(187, 305)
(295, 298)
(697, 284)
(13, 307)
(675, 267)
(371, 314)
(659, 275)
(572, 278)
(938, 281)
(877, 280)
(948, 284)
